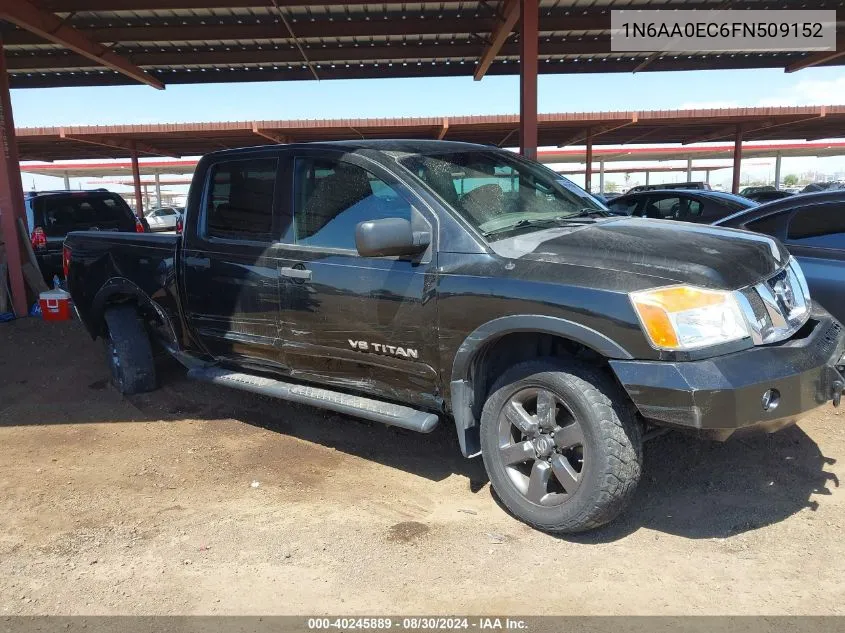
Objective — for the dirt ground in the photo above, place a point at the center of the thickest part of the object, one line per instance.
(199, 500)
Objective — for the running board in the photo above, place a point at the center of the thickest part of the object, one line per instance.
(376, 410)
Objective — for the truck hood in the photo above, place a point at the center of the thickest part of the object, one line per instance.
(678, 252)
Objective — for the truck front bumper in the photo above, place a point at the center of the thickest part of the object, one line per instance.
(760, 389)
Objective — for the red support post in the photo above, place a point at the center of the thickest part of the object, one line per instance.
(588, 172)
(11, 193)
(136, 178)
(737, 159)
(528, 42)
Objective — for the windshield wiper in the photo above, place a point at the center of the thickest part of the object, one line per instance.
(586, 212)
(520, 224)
(583, 213)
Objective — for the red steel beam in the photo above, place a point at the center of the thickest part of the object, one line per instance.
(820, 58)
(528, 41)
(11, 194)
(136, 179)
(54, 29)
(588, 172)
(737, 159)
(597, 131)
(444, 128)
(498, 37)
(106, 141)
(814, 60)
(759, 126)
(648, 61)
(269, 134)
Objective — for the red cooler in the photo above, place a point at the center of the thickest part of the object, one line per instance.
(55, 305)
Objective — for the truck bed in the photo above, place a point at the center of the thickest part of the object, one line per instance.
(103, 260)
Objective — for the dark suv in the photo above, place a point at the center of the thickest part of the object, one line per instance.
(812, 227)
(51, 215)
(695, 186)
(687, 206)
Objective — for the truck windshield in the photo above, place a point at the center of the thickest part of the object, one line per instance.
(500, 193)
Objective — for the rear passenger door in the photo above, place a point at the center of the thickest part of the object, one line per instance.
(230, 261)
(361, 323)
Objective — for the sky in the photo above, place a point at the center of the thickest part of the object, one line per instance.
(430, 97)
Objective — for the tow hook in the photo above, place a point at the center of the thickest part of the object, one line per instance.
(838, 386)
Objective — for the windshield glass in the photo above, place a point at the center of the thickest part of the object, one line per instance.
(499, 193)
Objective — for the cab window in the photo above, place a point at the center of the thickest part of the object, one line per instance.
(332, 197)
(822, 225)
(240, 200)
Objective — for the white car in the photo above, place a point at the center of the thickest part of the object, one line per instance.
(164, 218)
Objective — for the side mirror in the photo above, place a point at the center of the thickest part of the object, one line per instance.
(390, 236)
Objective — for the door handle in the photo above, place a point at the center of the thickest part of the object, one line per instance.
(198, 262)
(295, 273)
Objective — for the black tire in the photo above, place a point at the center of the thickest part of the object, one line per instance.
(594, 411)
(128, 350)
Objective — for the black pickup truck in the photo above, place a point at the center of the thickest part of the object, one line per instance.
(411, 282)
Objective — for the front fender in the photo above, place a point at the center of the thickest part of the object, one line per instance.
(461, 388)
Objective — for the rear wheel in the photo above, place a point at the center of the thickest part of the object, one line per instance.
(560, 445)
(128, 350)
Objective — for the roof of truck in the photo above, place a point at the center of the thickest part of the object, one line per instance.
(411, 146)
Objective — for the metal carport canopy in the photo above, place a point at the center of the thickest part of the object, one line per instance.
(560, 129)
(192, 41)
(156, 42)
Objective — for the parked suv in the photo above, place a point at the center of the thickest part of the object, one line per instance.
(51, 215)
(812, 226)
(698, 186)
(164, 218)
(687, 206)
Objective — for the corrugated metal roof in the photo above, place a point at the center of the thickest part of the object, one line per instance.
(563, 129)
(190, 41)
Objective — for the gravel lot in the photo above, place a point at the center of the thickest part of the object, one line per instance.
(200, 500)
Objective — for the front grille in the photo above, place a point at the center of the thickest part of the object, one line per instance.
(777, 307)
(830, 338)
(757, 306)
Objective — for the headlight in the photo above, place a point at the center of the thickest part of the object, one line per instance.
(795, 267)
(685, 317)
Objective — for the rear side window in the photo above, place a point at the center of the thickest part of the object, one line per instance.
(663, 208)
(60, 214)
(240, 200)
(623, 206)
(822, 226)
(688, 209)
(770, 225)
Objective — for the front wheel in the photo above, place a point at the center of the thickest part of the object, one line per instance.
(561, 447)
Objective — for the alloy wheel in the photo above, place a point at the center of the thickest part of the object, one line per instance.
(541, 445)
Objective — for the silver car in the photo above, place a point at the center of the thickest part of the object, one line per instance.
(164, 218)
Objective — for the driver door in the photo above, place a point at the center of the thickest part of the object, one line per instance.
(362, 323)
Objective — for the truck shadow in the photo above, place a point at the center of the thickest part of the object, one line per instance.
(690, 487)
(700, 489)
(434, 456)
